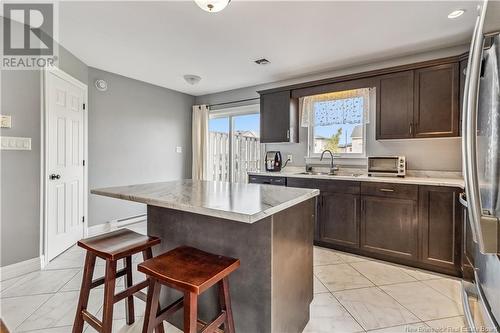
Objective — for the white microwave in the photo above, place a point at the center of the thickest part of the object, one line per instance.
(387, 166)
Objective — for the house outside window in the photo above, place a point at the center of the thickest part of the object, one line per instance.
(337, 122)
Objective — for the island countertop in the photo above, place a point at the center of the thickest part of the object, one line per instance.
(233, 201)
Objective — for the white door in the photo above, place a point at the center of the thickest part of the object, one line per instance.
(65, 166)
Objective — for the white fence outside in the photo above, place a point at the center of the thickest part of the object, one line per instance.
(246, 152)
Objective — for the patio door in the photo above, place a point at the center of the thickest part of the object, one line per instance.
(234, 143)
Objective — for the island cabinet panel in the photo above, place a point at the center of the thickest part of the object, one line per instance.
(395, 106)
(436, 109)
(389, 227)
(339, 219)
(278, 117)
(440, 227)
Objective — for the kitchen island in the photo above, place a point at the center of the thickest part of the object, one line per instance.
(270, 229)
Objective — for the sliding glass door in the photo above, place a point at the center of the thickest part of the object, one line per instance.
(234, 144)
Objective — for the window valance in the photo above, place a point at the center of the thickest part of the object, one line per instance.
(341, 107)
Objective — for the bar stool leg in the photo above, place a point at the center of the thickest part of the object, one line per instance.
(129, 304)
(88, 272)
(151, 306)
(225, 302)
(148, 254)
(190, 312)
(109, 293)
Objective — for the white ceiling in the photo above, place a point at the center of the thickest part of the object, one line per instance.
(160, 42)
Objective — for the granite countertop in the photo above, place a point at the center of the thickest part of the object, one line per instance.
(233, 201)
(433, 178)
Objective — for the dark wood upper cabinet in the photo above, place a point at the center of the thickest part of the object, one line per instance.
(440, 227)
(436, 101)
(279, 117)
(395, 106)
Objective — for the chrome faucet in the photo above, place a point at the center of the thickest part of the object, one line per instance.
(333, 167)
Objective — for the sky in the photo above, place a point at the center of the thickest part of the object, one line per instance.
(250, 122)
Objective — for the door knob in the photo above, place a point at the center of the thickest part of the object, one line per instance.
(54, 176)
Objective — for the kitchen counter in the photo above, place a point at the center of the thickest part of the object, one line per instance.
(234, 201)
(269, 228)
(431, 178)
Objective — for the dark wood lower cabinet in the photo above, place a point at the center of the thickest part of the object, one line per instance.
(388, 227)
(339, 219)
(416, 225)
(440, 227)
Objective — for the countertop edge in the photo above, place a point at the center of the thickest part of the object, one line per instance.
(447, 182)
(237, 217)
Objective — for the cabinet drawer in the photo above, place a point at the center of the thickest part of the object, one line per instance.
(390, 190)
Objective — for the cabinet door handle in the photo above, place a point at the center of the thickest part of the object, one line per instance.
(288, 134)
(386, 190)
(411, 128)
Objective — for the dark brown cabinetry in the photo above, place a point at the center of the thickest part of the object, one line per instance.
(395, 106)
(440, 227)
(408, 224)
(436, 108)
(278, 117)
(389, 220)
(420, 103)
(338, 210)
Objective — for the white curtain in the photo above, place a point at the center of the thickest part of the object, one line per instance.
(200, 142)
(341, 107)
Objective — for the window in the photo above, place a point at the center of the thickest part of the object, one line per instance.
(336, 122)
(234, 143)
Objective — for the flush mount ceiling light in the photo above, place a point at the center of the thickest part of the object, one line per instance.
(101, 85)
(456, 13)
(212, 6)
(192, 79)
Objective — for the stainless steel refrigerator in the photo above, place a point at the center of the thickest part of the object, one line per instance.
(481, 167)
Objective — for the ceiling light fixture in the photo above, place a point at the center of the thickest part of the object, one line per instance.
(212, 6)
(192, 79)
(456, 13)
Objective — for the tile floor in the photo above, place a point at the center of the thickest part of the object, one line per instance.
(352, 294)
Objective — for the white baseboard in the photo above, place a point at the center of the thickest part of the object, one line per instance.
(20, 268)
(113, 225)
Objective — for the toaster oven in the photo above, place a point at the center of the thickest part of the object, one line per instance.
(387, 166)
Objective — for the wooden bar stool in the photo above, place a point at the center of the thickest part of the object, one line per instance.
(192, 272)
(113, 246)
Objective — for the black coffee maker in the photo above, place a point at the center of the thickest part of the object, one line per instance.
(273, 161)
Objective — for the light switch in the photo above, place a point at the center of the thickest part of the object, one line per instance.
(14, 143)
(5, 121)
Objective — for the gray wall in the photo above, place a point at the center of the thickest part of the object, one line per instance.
(134, 129)
(20, 170)
(422, 154)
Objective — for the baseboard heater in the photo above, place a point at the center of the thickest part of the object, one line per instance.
(118, 223)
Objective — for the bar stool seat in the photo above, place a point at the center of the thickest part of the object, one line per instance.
(118, 244)
(113, 246)
(192, 272)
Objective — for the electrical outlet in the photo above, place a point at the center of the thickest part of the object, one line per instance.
(5, 121)
(289, 157)
(178, 149)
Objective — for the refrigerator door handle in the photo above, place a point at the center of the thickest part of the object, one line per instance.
(462, 199)
(478, 222)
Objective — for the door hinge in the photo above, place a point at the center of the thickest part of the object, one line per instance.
(83, 219)
(83, 163)
(84, 106)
